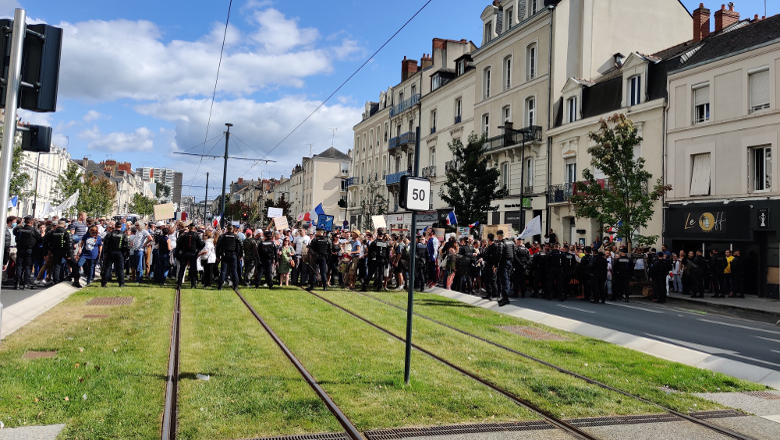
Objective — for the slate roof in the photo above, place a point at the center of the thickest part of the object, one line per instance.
(333, 153)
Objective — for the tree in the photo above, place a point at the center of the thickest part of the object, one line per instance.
(19, 178)
(622, 201)
(471, 185)
(97, 195)
(374, 203)
(283, 204)
(142, 205)
(162, 191)
(66, 184)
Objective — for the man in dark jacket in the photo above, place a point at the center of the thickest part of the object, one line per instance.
(116, 247)
(660, 270)
(737, 275)
(27, 238)
(491, 257)
(505, 268)
(58, 241)
(598, 272)
(250, 263)
(266, 253)
(378, 256)
(319, 251)
(188, 246)
(716, 266)
(229, 251)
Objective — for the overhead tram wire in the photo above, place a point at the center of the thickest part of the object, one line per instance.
(210, 150)
(214, 93)
(251, 147)
(202, 143)
(348, 79)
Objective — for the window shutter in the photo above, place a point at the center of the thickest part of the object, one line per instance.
(759, 89)
(700, 180)
(701, 96)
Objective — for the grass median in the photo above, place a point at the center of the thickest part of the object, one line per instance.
(107, 379)
(664, 382)
(362, 368)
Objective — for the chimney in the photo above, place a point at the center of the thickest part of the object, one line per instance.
(701, 23)
(426, 61)
(408, 68)
(725, 17)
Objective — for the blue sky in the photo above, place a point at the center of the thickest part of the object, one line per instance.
(137, 77)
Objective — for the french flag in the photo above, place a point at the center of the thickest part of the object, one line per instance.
(451, 219)
(474, 225)
(314, 214)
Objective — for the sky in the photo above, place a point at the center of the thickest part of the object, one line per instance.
(137, 78)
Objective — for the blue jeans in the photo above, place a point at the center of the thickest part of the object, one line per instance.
(89, 268)
(137, 261)
(229, 269)
(161, 269)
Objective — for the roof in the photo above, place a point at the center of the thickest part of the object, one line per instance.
(333, 153)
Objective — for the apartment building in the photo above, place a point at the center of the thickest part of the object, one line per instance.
(723, 124)
(44, 169)
(164, 176)
(323, 177)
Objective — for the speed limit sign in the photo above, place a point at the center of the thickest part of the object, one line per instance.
(415, 193)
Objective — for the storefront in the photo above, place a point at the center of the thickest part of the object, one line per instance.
(747, 226)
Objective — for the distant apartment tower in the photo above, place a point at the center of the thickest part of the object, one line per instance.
(164, 176)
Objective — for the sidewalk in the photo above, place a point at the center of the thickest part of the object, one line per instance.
(765, 306)
(19, 314)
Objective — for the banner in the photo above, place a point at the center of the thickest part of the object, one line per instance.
(275, 212)
(463, 231)
(281, 223)
(69, 203)
(493, 229)
(534, 227)
(47, 209)
(379, 221)
(163, 212)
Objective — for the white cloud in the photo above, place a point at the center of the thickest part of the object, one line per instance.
(140, 140)
(109, 60)
(92, 115)
(7, 7)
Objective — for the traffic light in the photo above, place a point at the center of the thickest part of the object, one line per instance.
(244, 216)
(37, 139)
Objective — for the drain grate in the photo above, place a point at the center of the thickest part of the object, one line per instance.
(623, 420)
(111, 301)
(717, 414)
(763, 395)
(533, 333)
(39, 355)
(401, 433)
(94, 317)
(327, 436)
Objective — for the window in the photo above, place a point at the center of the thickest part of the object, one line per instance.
(635, 88)
(571, 106)
(400, 97)
(486, 83)
(570, 171)
(433, 121)
(387, 129)
(371, 140)
(507, 73)
(759, 90)
(414, 90)
(534, 7)
(435, 82)
(461, 67)
(505, 174)
(506, 113)
(761, 168)
(700, 177)
(486, 125)
(509, 17)
(529, 174)
(531, 62)
(458, 109)
(701, 103)
(530, 111)
(488, 32)
(433, 157)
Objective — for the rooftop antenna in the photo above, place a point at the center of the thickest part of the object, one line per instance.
(333, 138)
(311, 149)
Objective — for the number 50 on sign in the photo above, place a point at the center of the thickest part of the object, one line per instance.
(415, 193)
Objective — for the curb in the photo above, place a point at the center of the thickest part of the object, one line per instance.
(769, 313)
(25, 311)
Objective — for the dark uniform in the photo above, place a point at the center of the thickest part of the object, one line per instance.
(229, 251)
(539, 265)
(660, 269)
(585, 275)
(466, 253)
(491, 257)
(522, 259)
(737, 277)
(27, 238)
(267, 252)
(421, 259)
(699, 272)
(598, 272)
(319, 251)
(378, 255)
(505, 270)
(187, 247)
(569, 267)
(555, 274)
(717, 265)
(115, 247)
(250, 255)
(622, 268)
(58, 241)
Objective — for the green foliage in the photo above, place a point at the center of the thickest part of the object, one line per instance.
(142, 205)
(624, 201)
(19, 179)
(162, 191)
(471, 188)
(97, 195)
(67, 183)
(374, 203)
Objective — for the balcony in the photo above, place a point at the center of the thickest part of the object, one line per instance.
(531, 133)
(451, 166)
(403, 140)
(353, 181)
(458, 119)
(560, 193)
(405, 105)
(395, 179)
(429, 172)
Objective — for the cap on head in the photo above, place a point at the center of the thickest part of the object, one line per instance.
(191, 226)
(160, 223)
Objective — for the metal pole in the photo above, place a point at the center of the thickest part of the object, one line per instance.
(224, 177)
(35, 195)
(206, 200)
(522, 184)
(412, 269)
(9, 131)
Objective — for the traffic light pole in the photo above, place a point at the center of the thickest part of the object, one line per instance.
(224, 177)
(13, 82)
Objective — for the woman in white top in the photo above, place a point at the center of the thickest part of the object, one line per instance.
(676, 274)
(207, 258)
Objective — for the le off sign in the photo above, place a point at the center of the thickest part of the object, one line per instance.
(415, 194)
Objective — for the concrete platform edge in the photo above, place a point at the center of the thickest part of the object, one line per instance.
(18, 315)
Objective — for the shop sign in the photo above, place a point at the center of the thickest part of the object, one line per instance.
(720, 222)
(763, 218)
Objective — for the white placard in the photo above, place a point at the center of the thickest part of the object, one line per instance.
(379, 221)
(281, 223)
(275, 212)
(418, 194)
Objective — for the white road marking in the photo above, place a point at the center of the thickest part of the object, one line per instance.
(767, 339)
(636, 308)
(740, 326)
(575, 308)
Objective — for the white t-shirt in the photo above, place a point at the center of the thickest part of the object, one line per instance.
(300, 242)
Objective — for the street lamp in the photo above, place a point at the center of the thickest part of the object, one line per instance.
(530, 133)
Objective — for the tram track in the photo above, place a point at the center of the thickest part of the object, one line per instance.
(170, 410)
(687, 417)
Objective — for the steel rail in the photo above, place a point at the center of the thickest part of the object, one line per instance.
(170, 410)
(704, 423)
(549, 418)
(348, 426)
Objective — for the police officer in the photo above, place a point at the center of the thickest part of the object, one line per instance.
(585, 274)
(622, 269)
(319, 251)
(522, 258)
(660, 269)
(59, 243)
(267, 252)
(700, 272)
(27, 238)
(188, 246)
(490, 257)
(505, 268)
(378, 255)
(229, 251)
(540, 267)
(555, 273)
(737, 275)
(115, 247)
(467, 254)
(598, 272)
(717, 265)
(250, 251)
(421, 259)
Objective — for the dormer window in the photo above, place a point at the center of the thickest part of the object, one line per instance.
(461, 67)
(571, 106)
(435, 82)
(488, 32)
(533, 7)
(635, 90)
(509, 17)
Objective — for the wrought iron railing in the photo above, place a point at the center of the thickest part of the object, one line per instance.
(531, 133)
(395, 178)
(451, 166)
(405, 105)
(429, 172)
(560, 193)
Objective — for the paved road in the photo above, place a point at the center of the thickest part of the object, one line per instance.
(9, 296)
(743, 340)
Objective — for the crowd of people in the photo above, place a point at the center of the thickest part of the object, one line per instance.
(43, 252)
